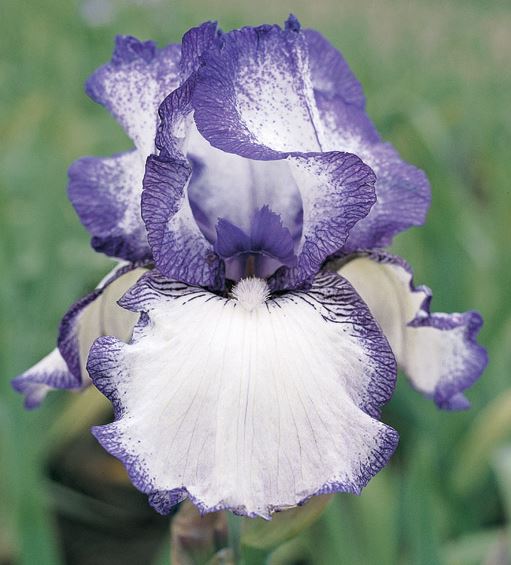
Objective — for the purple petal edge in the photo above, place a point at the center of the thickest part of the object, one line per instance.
(68, 342)
(50, 373)
(448, 394)
(104, 356)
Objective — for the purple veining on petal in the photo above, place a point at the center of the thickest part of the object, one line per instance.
(402, 190)
(339, 304)
(180, 249)
(337, 191)
(191, 184)
(461, 360)
(195, 41)
(403, 198)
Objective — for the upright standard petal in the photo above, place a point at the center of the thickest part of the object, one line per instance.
(254, 94)
(134, 83)
(249, 403)
(106, 191)
(330, 73)
(92, 316)
(264, 91)
(438, 352)
(319, 197)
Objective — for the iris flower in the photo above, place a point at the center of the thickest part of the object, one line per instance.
(259, 318)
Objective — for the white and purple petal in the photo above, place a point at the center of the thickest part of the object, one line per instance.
(439, 353)
(330, 74)
(106, 191)
(319, 197)
(254, 95)
(249, 403)
(403, 192)
(266, 91)
(92, 316)
(337, 191)
(49, 374)
(195, 41)
(134, 83)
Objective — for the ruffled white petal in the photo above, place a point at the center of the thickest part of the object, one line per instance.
(254, 409)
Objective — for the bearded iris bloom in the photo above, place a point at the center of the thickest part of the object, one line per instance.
(260, 322)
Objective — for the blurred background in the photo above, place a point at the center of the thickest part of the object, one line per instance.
(437, 75)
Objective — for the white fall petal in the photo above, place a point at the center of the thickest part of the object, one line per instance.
(247, 403)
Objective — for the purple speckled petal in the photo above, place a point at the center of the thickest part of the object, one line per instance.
(402, 190)
(253, 409)
(133, 84)
(337, 190)
(185, 195)
(438, 352)
(105, 193)
(254, 95)
(49, 374)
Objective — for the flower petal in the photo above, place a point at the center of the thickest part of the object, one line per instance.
(254, 96)
(180, 249)
(402, 191)
(50, 373)
(438, 352)
(195, 41)
(337, 190)
(268, 91)
(92, 316)
(326, 193)
(95, 315)
(330, 73)
(105, 193)
(133, 84)
(252, 409)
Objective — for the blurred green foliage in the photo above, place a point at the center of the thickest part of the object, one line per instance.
(438, 80)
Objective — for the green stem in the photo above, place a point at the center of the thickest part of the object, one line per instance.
(234, 536)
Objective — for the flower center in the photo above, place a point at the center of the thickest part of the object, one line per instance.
(251, 293)
(259, 253)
